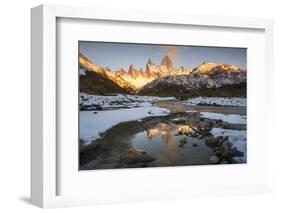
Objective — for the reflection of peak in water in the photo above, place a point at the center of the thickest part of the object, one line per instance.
(167, 138)
(162, 141)
(164, 130)
(167, 130)
(183, 128)
(151, 133)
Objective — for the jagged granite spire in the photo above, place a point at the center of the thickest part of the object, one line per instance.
(167, 62)
(149, 61)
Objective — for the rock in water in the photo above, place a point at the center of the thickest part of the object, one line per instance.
(214, 160)
(195, 145)
(182, 142)
(225, 149)
(211, 141)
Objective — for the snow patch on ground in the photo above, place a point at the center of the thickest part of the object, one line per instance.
(230, 118)
(189, 111)
(119, 100)
(236, 137)
(82, 71)
(91, 124)
(219, 101)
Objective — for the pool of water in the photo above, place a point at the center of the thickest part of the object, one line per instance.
(171, 145)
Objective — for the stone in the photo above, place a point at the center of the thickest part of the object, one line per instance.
(236, 153)
(214, 160)
(195, 145)
(98, 107)
(225, 149)
(182, 142)
(218, 154)
(211, 141)
(219, 121)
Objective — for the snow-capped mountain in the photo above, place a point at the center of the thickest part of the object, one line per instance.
(167, 62)
(134, 79)
(96, 84)
(207, 67)
(207, 76)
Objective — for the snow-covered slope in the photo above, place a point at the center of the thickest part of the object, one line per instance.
(230, 118)
(104, 120)
(212, 76)
(118, 101)
(115, 109)
(217, 101)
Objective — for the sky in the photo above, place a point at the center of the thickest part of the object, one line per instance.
(121, 55)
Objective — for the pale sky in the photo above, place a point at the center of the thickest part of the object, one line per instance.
(121, 55)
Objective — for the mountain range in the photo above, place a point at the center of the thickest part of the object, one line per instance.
(133, 78)
(163, 79)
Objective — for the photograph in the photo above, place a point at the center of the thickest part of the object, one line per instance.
(159, 105)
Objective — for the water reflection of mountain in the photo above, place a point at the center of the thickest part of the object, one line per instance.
(167, 130)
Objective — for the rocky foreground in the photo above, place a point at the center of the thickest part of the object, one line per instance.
(114, 149)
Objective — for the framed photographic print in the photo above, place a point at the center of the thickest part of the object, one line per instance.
(181, 111)
(133, 106)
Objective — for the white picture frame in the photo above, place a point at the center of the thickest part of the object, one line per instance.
(44, 155)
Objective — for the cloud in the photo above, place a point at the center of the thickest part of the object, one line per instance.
(170, 51)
